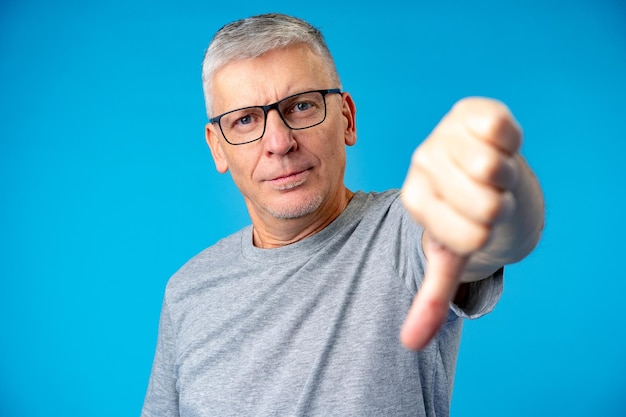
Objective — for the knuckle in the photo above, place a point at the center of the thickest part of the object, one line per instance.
(494, 121)
(415, 194)
(480, 105)
(468, 103)
(476, 237)
(491, 119)
(501, 124)
(421, 157)
(489, 209)
(438, 308)
(484, 167)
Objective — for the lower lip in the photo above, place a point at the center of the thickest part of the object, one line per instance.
(288, 182)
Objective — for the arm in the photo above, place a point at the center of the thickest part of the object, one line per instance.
(479, 202)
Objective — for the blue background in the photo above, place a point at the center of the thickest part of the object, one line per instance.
(108, 187)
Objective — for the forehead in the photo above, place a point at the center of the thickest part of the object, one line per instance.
(268, 78)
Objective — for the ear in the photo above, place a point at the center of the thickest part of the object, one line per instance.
(348, 112)
(212, 139)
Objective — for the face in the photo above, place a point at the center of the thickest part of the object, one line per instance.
(287, 174)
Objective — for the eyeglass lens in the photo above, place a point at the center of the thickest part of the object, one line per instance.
(298, 112)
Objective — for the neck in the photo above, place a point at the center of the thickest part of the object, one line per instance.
(269, 232)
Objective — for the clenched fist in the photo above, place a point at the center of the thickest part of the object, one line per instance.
(478, 201)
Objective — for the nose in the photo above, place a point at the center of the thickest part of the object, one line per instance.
(277, 138)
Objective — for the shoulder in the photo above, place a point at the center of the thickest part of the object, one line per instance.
(386, 207)
(217, 257)
(378, 202)
(374, 198)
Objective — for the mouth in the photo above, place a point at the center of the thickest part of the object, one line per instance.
(289, 181)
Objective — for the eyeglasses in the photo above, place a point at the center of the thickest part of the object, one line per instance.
(299, 111)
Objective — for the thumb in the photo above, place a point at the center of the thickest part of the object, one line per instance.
(431, 304)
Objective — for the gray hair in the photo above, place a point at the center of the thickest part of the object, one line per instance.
(255, 36)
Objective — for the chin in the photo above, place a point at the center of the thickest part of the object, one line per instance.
(296, 209)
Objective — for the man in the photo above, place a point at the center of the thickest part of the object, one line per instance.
(300, 313)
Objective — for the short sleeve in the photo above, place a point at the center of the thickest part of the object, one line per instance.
(162, 397)
(482, 296)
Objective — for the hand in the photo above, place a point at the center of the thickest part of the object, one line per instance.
(459, 187)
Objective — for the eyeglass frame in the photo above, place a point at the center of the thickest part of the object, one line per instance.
(274, 106)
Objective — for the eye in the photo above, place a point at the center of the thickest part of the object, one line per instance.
(302, 106)
(245, 120)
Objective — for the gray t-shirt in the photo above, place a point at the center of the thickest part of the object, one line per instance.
(309, 329)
